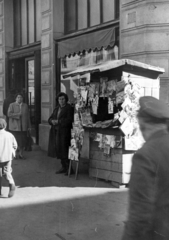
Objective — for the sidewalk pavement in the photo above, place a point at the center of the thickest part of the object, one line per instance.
(47, 206)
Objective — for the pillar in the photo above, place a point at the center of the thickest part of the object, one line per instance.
(52, 27)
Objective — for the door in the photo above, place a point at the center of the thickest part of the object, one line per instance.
(32, 96)
(30, 92)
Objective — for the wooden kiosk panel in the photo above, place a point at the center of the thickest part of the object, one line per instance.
(114, 167)
(115, 177)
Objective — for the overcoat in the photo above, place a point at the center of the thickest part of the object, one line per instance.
(149, 191)
(15, 121)
(60, 135)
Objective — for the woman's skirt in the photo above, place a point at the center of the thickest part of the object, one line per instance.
(20, 137)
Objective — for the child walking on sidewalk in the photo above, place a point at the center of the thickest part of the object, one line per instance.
(8, 146)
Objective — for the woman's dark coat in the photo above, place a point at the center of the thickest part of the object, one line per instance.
(60, 135)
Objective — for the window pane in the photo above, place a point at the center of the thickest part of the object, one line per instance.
(38, 20)
(24, 21)
(82, 14)
(17, 21)
(70, 15)
(117, 9)
(31, 83)
(31, 21)
(108, 10)
(94, 12)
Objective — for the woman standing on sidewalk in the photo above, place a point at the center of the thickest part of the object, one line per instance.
(19, 122)
(61, 121)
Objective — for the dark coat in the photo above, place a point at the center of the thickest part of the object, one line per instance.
(149, 191)
(60, 135)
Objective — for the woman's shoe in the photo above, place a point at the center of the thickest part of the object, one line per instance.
(11, 190)
(22, 157)
(62, 170)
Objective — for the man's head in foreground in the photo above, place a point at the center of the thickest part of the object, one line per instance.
(153, 115)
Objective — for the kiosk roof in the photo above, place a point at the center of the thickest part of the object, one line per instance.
(111, 65)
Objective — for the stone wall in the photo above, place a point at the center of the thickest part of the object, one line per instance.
(144, 34)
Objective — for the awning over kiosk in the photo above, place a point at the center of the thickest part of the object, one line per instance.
(114, 64)
(94, 40)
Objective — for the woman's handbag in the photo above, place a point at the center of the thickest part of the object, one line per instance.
(29, 142)
(52, 142)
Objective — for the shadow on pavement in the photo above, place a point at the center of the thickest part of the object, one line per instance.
(52, 213)
(47, 206)
(39, 170)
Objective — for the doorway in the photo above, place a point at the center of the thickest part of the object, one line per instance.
(33, 96)
(24, 76)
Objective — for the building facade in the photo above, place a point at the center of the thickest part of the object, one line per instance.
(40, 40)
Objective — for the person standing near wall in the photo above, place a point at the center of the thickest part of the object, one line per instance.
(8, 146)
(61, 121)
(19, 122)
(148, 214)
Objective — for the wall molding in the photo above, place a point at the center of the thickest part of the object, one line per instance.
(46, 77)
(1, 9)
(46, 59)
(145, 53)
(1, 24)
(161, 27)
(46, 23)
(46, 41)
(140, 2)
(46, 95)
(2, 95)
(2, 83)
(46, 6)
(45, 113)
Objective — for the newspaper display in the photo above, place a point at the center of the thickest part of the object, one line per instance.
(123, 103)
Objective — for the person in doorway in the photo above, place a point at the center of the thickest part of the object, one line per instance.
(10, 99)
(8, 148)
(148, 214)
(61, 120)
(19, 122)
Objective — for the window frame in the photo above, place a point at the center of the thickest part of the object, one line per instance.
(18, 19)
(116, 15)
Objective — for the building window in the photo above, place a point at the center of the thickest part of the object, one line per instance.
(81, 14)
(108, 10)
(27, 22)
(24, 22)
(31, 21)
(17, 23)
(70, 15)
(82, 18)
(94, 12)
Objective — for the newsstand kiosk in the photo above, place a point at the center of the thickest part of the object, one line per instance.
(105, 129)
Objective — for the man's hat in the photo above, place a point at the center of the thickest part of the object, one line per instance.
(153, 107)
(2, 123)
